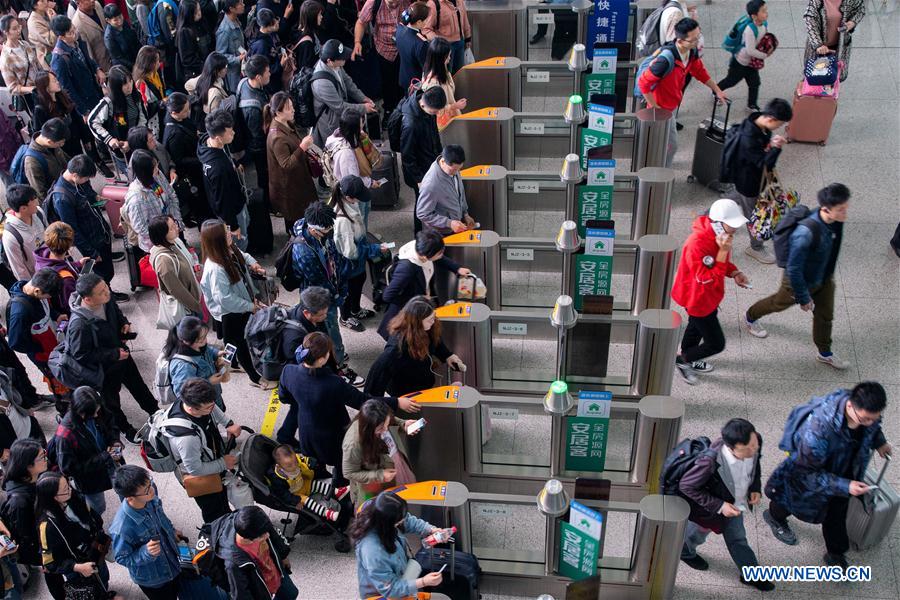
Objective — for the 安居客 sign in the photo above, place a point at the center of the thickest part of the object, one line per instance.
(586, 433)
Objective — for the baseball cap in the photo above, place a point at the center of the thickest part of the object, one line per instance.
(727, 211)
(353, 187)
(334, 50)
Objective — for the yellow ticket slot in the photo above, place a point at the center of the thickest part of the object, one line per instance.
(473, 236)
(423, 490)
(476, 171)
(457, 310)
(444, 393)
(489, 112)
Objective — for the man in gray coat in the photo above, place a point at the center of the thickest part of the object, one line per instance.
(442, 202)
(332, 95)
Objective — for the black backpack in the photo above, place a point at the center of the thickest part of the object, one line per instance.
(48, 206)
(730, 154)
(302, 94)
(394, 124)
(781, 238)
(207, 562)
(679, 462)
(284, 264)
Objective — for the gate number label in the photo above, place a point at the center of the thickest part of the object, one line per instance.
(526, 187)
(532, 128)
(512, 328)
(538, 76)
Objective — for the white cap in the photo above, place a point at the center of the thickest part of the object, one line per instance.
(727, 211)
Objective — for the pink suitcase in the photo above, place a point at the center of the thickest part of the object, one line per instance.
(813, 116)
(114, 194)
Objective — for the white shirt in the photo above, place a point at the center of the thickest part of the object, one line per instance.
(741, 473)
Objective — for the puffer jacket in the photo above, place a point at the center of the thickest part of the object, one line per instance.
(319, 263)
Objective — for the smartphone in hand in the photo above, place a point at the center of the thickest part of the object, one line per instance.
(230, 351)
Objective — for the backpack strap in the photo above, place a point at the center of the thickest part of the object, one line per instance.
(324, 75)
(811, 224)
(29, 151)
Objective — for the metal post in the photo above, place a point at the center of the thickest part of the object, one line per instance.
(655, 351)
(551, 546)
(653, 203)
(658, 541)
(655, 434)
(557, 444)
(651, 138)
(657, 259)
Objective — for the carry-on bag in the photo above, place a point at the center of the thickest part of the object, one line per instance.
(708, 146)
(773, 202)
(460, 580)
(815, 105)
(870, 516)
(140, 271)
(387, 195)
(113, 192)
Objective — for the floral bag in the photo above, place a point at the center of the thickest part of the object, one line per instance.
(773, 202)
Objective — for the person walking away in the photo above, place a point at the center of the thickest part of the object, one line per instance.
(442, 202)
(420, 141)
(753, 152)
(412, 45)
(662, 82)
(808, 279)
(23, 230)
(334, 91)
(220, 176)
(700, 285)
(824, 19)
(721, 484)
(829, 442)
(740, 66)
(383, 27)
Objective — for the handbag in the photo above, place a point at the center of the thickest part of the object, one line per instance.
(773, 202)
(171, 311)
(240, 494)
(82, 589)
(202, 485)
(315, 167)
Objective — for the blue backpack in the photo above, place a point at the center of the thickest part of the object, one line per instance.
(663, 53)
(17, 168)
(795, 420)
(734, 39)
(154, 33)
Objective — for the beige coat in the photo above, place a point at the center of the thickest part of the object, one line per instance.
(176, 275)
(41, 37)
(355, 470)
(92, 34)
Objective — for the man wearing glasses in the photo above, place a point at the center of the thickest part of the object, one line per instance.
(829, 441)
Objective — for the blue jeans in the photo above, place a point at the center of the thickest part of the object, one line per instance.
(287, 591)
(15, 592)
(364, 209)
(457, 55)
(243, 219)
(334, 332)
(735, 539)
(97, 502)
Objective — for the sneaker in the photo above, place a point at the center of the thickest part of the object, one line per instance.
(120, 297)
(340, 492)
(763, 586)
(835, 560)
(782, 531)
(763, 255)
(687, 373)
(265, 384)
(352, 324)
(754, 328)
(701, 366)
(832, 361)
(132, 437)
(118, 256)
(352, 377)
(363, 314)
(698, 562)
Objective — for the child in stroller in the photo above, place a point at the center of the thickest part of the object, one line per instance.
(292, 481)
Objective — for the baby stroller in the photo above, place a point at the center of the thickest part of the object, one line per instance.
(255, 461)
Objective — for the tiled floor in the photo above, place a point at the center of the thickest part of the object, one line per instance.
(757, 379)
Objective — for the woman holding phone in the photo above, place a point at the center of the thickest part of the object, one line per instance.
(190, 356)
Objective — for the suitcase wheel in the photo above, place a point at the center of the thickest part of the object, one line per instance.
(690, 179)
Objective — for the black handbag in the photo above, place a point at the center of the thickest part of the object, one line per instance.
(83, 589)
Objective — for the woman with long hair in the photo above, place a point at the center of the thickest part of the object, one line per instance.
(188, 31)
(291, 185)
(413, 349)
(348, 198)
(306, 51)
(382, 552)
(148, 81)
(19, 63)
(117, 112)
(176, 268)
(229, 292)
(149, 195)
(51, 101)
(372, 459)
(71, 536)
(436, 73)
(190, 356)
(210, 87)
(353, 153)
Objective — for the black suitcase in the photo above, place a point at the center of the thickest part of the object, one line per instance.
(708, 147)
(133, 255)
(388, 195)
(259, 233)
(461, 575)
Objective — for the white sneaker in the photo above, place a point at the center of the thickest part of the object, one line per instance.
(755, 328)
(701, 366)
(763, 255)
(687, 373)
(833, 361)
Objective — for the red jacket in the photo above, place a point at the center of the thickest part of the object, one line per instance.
(669, 89)
(700, 288)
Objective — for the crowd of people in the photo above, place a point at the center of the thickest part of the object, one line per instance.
(220, 116)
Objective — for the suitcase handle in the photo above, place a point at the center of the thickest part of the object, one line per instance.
(887, 461)
(712, 119)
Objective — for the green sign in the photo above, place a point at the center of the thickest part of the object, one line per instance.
(592, 138)
(586, 443)
(593, 269)
(599, 83)
(594, 203)
(578, 553)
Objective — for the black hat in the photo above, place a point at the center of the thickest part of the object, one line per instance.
(353, 187)
(334, 50)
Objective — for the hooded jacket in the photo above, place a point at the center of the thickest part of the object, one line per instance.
(222, 183)
(244, 579)
(700, 280)
(413, 276)
(319, 263)
(751, 157)
(68, 269)
(20, 256)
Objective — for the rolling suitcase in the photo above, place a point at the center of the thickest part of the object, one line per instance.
(815, 102)
(708, 146)
(870, 516)
(388, 195)
(140, 272)
(259, 233)
(113, 191)
(461, 575)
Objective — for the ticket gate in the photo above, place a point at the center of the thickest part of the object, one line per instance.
(519, 352)
(528, 273)
(534, 203)
(538, 141)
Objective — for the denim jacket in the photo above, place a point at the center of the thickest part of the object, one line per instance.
(380, 573)
(131, 529)
(806, 265)
(202, 366)
(229, 39)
